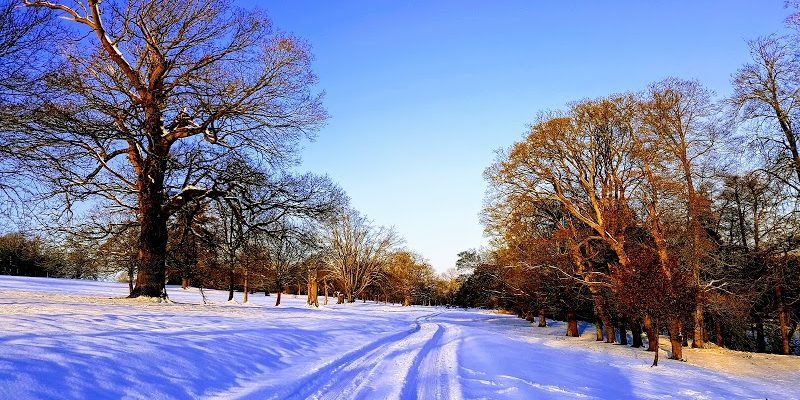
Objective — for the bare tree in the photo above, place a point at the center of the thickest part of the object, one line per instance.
(261, 209)
(356, 252)
(767, 95)
(287, 251)
(677, 123)
(118, 252)
(143, 109)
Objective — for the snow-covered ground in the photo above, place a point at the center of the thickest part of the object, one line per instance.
(65, 339)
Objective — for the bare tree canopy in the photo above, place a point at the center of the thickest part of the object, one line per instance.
(149, 100)
(24, 35)
(767, 95)
(357, 252)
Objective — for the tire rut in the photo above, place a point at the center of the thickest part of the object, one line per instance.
(346, 376)
(435, 376)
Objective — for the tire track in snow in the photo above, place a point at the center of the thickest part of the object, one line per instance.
(409, 390)
(436, 374)
(349, 375)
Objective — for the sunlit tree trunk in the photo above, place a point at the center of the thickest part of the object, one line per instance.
(652, 340)
(312, 291)
(652, 333)
(325, 285)
(675, 338)
(572, 323)
(602, 314)
(246, 290)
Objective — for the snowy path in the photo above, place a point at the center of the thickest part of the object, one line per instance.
(68, 339)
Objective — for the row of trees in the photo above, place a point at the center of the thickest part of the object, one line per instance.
(658, 209)
(161, 138)
(29, 256)
(345, 256)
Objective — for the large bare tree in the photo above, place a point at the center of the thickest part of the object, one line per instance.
(678, 127)
(151, 97)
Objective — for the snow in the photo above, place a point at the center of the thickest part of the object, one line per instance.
(71, 339)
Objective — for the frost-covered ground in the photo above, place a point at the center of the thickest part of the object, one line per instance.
(81, 340)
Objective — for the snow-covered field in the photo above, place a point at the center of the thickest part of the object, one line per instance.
(65, 339)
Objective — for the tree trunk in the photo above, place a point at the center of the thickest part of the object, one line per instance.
(653, 342)
(572, 323)
(636, 333)
(761, 344)
(694, 234)
(623, 333)
(245, 287)
(231, 283)
(675, 338)
(325, 284)
(655, 354)
(611, 337)
(278, 298)
(684, 338)
(130, 281)
(783, 119)
(718, 333)
(184, 282)
(312, 289)
(602, 314)
(698, 341)
(152, 240)
(542, 320)
(652, 333)
(782, 319)
(598, 330)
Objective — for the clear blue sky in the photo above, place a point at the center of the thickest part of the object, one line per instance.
(421, 93)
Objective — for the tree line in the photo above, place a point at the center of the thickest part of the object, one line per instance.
(665, 209)
(157, 142)
(344, 259)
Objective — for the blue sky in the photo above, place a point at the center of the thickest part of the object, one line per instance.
(421, 93)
